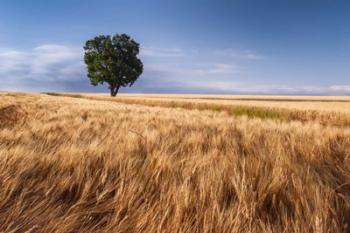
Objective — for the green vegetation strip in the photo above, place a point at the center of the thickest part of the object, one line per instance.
(63, 94)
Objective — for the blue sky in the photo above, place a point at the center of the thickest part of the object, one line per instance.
(199, 46)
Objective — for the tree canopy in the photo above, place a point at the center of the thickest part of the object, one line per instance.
(113, 60)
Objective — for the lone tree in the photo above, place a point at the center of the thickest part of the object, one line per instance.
(113, 60)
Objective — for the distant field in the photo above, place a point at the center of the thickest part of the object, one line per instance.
(174, 163)
(319, 103)
(326, 110)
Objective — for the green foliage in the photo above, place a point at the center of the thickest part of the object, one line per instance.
(113, 60)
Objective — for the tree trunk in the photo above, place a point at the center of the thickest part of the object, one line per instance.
(114, 90)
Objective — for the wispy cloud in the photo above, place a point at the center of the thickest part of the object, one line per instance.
(47, 59)
(149, 51)
(48, 66)
(238, 54)
(50, 62)
(340, 88)
(174, 52)
(235, 87)
(203, 70)
(178, 65)
(61, 67)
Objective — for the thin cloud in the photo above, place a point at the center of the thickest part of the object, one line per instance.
(61, 67)
(173, 52)
(253, 56)
(161, 52)
(58, 58)
(50, 62)
(341, 88)
(238, 54)
(193, 71)
(232, 87)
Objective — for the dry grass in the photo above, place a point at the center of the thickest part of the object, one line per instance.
(79, 165)
(314, 103)
(326, 111)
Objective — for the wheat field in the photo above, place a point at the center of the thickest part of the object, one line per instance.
(90, 163)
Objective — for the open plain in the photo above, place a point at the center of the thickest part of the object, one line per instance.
(174, 163)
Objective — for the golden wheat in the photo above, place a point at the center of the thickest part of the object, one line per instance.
(315, 103)
(80, 165)
(336, 115)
